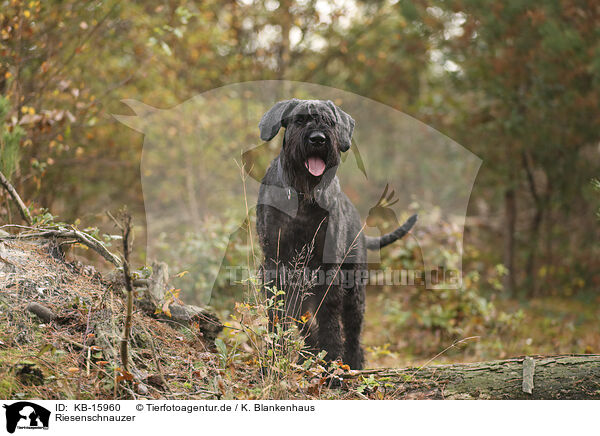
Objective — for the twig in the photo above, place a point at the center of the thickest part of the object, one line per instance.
(72, 342)
(113, 336)
(83, 238)
(126, 230)
(15, 196)
(157, 361)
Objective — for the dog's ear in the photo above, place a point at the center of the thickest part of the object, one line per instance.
(345, 126)
(275, 118)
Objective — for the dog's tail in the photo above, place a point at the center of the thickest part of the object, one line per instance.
(373, 243)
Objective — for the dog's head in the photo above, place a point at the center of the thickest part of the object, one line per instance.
(317, 132)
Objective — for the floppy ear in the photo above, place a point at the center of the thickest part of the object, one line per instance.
(344, 124)
(272, 121)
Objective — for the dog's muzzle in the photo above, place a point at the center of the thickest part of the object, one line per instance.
(317, 139)
(315, 163)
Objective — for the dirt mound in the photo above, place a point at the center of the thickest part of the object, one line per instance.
(60, 328)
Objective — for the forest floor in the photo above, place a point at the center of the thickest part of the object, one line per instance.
(547, 325)
(74, 355)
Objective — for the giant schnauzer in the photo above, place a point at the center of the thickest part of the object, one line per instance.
(304, 220)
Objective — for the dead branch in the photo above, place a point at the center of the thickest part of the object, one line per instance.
(15, 196)
(125, 226)
(70, 234)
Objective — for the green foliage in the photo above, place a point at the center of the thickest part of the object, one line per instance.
(196, 258)
(522, 93)
(441, 316)
(10, 138)
(596, 185)
(44, 218)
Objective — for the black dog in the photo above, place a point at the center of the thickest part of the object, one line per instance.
(305, 222)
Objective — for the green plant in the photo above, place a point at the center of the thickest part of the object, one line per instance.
(10, 138)
(204, 276)
(367, 384)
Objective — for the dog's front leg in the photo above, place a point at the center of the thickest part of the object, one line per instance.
(329, 332)
(353, 312)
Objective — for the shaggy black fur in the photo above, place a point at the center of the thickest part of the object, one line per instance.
(306, 223)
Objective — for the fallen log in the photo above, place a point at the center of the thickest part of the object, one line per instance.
(562, 377)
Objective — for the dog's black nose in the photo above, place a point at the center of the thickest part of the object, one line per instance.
(317, 138)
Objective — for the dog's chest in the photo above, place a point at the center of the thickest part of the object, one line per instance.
(305, 230)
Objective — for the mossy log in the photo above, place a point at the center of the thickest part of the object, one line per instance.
(538, 377)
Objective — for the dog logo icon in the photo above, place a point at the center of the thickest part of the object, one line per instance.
(26, 415)
(202, 165)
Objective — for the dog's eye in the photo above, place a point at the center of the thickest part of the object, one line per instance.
(300, 120)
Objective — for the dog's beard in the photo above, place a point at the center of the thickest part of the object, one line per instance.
(297, 175)
(307, 169)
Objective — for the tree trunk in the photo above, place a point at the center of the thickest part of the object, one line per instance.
(531, 267)
(510, 217)
(546, 377)
(539, 203)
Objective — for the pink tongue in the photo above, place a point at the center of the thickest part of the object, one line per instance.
(315, 165)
